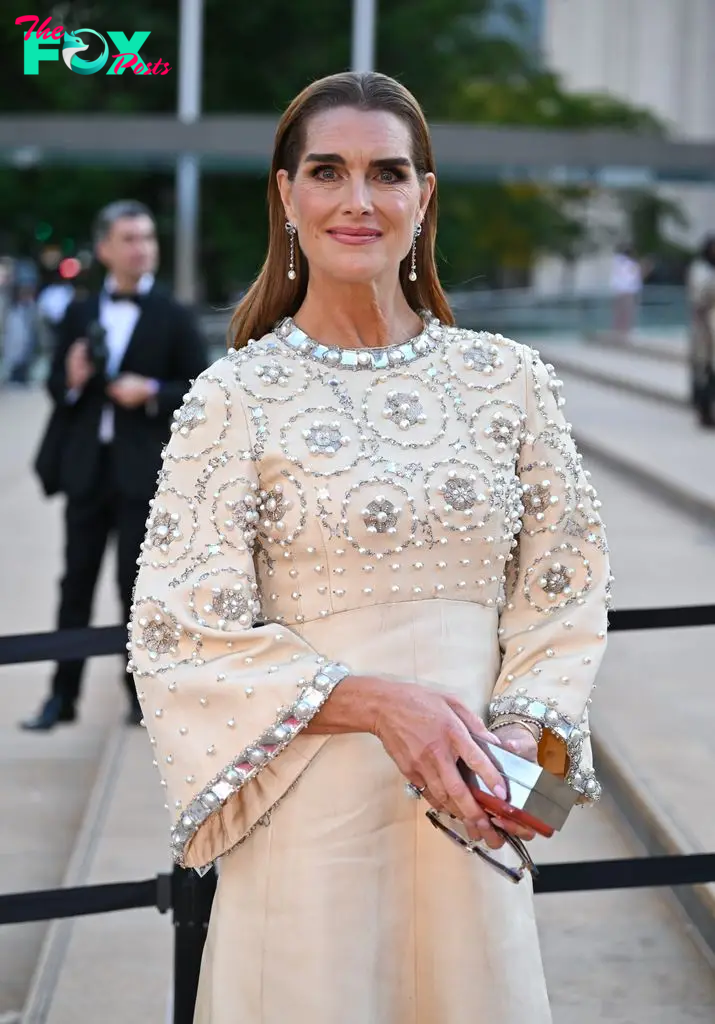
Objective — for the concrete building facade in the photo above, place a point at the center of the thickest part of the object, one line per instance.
(658, 54)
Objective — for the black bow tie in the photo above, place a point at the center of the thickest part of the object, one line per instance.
(134, 297)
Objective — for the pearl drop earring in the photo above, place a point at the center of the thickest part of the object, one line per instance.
(413, 263)
(290, 228)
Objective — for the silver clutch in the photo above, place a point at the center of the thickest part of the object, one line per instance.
(536, 798)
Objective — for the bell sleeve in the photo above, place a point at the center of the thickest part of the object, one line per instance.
(225, 697)
(553, 624)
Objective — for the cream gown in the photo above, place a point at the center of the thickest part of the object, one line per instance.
(417, 511)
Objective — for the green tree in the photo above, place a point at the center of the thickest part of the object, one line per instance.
(513, 224)
(256, 57)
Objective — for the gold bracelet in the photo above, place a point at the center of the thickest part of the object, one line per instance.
(535, 728)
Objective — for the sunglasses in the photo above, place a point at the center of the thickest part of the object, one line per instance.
(443, 821)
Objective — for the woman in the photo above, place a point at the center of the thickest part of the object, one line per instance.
(354, 478)
(701, 293)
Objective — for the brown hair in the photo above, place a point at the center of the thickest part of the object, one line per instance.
(272, 295)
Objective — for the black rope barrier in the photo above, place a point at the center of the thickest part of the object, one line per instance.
(63, 645)
(629, 873)
(100, 641)
(51, 904)
(189, 896)
(627, 619)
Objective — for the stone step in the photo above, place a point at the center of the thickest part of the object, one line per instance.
(668, 346)
(659, 446)
(653, 712)
(622, 370)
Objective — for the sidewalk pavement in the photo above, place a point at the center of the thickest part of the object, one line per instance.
(46, 779)
(118, 967)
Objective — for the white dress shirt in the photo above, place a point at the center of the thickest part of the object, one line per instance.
(119, 320)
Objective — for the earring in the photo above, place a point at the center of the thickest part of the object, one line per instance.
(413, 264)
(290, 228)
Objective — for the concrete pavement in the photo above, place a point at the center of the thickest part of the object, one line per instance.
(46, 780)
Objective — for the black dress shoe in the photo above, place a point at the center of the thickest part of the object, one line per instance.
(54, 711)
(134, 715)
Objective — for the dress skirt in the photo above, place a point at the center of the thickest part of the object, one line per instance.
(348, 906)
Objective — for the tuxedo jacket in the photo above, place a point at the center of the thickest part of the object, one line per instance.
(166, 345)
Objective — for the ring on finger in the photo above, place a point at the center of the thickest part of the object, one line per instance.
(413, 791)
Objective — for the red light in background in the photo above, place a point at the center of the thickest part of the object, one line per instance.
(69, 267)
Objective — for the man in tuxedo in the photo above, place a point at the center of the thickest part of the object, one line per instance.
(123, 361)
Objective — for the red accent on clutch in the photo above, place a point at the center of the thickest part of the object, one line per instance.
(506, 811)
(535, 798)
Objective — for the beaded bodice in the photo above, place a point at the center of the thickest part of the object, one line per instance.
(383, 475)
(304, 485)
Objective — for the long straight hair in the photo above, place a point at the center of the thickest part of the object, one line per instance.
(273, 295)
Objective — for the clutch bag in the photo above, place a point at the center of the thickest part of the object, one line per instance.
(536, 798)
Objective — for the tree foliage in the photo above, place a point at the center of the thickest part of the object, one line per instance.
(256, 57)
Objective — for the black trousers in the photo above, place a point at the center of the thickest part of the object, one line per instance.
(89, 524)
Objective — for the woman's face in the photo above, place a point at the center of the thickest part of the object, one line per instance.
(355, 198)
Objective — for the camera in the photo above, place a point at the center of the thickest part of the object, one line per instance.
(97, 347)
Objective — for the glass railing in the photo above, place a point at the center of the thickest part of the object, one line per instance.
(521, 312)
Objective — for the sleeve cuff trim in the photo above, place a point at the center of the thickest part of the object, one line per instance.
(537, 709)
(291, 720)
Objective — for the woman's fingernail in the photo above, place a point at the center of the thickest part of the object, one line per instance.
(500, 791)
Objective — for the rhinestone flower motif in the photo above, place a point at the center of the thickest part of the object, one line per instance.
(189, 416)
(482, 357)
(537, 498)
(459, 494)
(274, 372)
(158, 636)
(228, 603)
(162, 529)
(503, 431)
(380, 515)
(556, 580)
(243, 516)
(325, 438)
(404, 408)
(272, 506)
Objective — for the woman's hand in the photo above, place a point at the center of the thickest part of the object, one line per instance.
(519, 739)
(425, 732)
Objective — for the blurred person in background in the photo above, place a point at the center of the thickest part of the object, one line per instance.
(357, 596)
(54, 299)
(701, 296)
(123, 360)
(21, 335)
(626, 287)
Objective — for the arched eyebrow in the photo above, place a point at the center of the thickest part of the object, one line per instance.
(336, 158)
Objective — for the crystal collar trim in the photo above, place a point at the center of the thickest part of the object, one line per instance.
(364, 358)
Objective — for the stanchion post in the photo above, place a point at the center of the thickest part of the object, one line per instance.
(192, 897)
